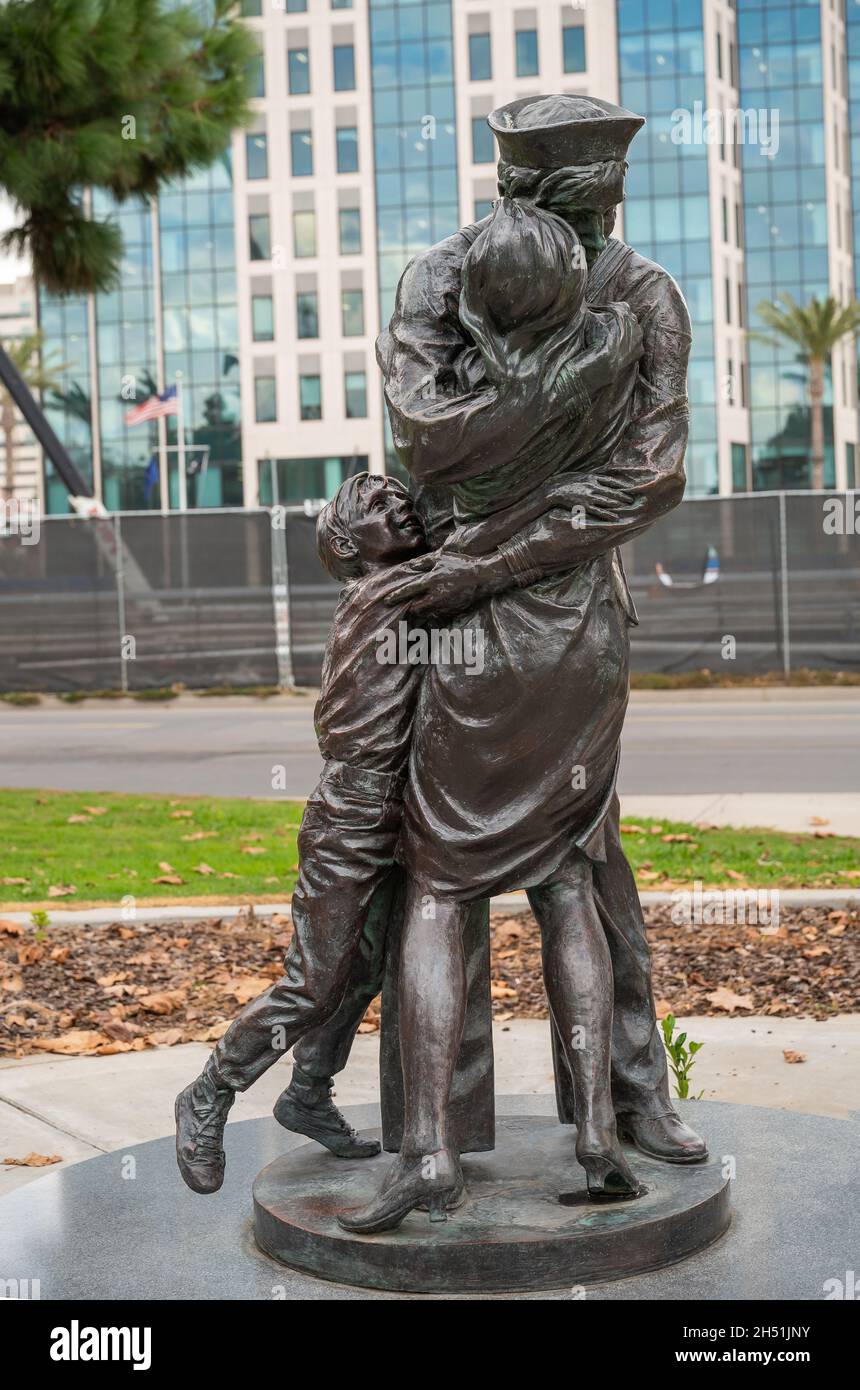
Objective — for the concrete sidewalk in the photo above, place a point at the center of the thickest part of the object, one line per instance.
(81, 1107)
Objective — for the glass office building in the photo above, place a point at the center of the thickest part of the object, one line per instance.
(266, 280)
(117, 349)
(661, 66)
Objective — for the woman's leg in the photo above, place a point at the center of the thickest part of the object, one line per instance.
(578, 979)
(432, 1007)
(432, 990)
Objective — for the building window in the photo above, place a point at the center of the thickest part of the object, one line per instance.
(346, 140)
(480, 58)
(262, 318)
(304, 233)
(355, 389)
(483, 208)
(341, 4)
(349, 227)
(310, 398)
(256, 157)
(527, 52)
(343, 59)
(258, 76)
(299, 71)
(483, 145)
(352, 313)
(259, 237)
(850, 464)
(252, 9)
(265, 408)
(297, 6)
(301, 153)
(739, 468)
(307, 314)
(725, 220)
(728, 300)
(573, 47)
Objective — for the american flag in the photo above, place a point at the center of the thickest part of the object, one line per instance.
(154, 407)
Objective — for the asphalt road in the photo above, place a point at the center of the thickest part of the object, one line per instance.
(227, 748)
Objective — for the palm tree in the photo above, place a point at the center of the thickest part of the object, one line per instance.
(25, 354)
(815, 329)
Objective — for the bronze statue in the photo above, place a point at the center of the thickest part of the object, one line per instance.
(535, 379)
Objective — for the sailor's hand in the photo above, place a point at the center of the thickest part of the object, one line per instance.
(451, 584)
(614, 345)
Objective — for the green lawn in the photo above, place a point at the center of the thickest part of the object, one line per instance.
(135, 840)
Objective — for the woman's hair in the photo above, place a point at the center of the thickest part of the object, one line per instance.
(334, 531)
(583, 185)
(521, 265)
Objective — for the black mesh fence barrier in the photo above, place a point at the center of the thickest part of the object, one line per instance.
(744, 584)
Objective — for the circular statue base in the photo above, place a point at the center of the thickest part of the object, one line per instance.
(527, 1223)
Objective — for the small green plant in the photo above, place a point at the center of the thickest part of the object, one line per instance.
(21, 697)
(40, 920)
(161, 692)
(682, 1056)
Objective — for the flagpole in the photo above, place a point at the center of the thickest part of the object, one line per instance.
(180, 441)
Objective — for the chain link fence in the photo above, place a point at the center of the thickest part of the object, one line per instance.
(743, 584)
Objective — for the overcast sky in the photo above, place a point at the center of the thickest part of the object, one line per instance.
(10, 267)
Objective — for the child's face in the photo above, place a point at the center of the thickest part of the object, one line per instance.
(386, 528)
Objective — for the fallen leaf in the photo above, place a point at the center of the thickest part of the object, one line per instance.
(34, 1160)
(201, 835)
(727, 999)
(210, 1034)
(13, 881)
(629, 829)
(29, 955)
(818, 820)
(61, 891)
(247, 987)
(793, 1056)
(78, 820)
(253, 849)
(164, 1002)
(60, 954)
(499, 990)
(662, 1007)
(75, 1044)
(228, 875)
(181, 815)
(683, 837)
(165, 867)
(203, 869)
(169, 878)
(166, 1037)
(11, 928)
(647, 874)
(96, 810)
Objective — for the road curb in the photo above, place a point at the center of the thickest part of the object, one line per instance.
(507, 902)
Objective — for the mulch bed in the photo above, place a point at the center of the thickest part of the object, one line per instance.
(97, 990)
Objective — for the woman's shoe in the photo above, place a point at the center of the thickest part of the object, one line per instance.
(607, 1171)
(436, 1189)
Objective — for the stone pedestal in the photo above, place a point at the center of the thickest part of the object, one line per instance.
(527, 1223)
